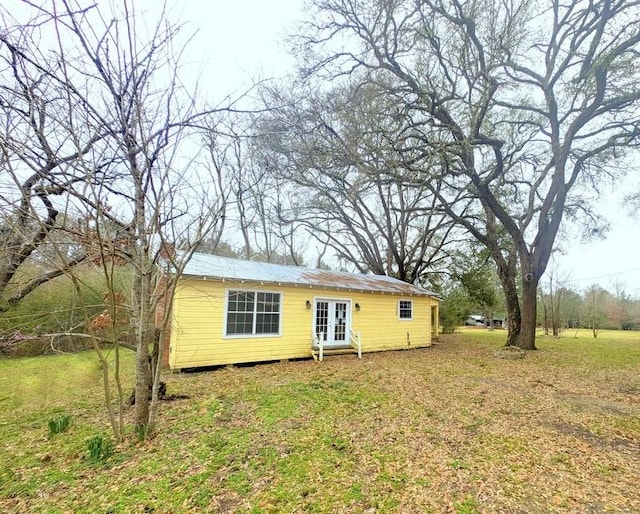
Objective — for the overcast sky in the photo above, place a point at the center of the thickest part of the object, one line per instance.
(240, 41)
(613, 259)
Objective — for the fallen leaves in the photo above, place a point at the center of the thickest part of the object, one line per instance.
(444, 429)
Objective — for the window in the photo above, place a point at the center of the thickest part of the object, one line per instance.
(405, 309)
(253, 313)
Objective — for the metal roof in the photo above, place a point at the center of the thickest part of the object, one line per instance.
(205, 265)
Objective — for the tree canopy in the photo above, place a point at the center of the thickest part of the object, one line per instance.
(518, 111)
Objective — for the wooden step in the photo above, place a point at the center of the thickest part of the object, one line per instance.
(342, 351)
(329, 351)
(332, 347)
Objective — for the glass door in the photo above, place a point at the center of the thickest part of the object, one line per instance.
(332, 321)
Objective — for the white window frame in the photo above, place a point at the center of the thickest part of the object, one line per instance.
(253, 334)
(401, 318)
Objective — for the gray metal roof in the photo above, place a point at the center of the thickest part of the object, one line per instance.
(205, 265)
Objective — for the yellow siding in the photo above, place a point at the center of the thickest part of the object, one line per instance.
(197, 329)
(379, 326)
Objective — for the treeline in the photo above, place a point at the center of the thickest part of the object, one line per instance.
(560, 308)
(392, 148)
(594, 308)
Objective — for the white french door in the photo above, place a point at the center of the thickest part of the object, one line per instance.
(332, 321)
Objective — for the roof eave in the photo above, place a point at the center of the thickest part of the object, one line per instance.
(312, 286)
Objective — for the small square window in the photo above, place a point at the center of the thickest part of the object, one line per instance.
(405, 309)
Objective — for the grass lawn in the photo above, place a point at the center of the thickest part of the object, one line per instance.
(449, 428)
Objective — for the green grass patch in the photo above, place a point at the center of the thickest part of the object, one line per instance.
(51, 382)
(448, 428)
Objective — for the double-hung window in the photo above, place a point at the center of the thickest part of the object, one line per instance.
(253, 313)
(405, 309)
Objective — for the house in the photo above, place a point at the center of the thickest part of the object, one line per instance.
(228, 311)
(475, 320)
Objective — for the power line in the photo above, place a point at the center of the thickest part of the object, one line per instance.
(603, 276)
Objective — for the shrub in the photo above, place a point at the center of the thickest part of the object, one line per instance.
(59, 424)
(54, 308)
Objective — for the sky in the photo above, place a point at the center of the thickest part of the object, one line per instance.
(614, 259)
(238, 42)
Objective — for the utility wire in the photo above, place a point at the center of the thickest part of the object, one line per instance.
(603, 276)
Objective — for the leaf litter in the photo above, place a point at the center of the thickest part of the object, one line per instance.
(449, 428)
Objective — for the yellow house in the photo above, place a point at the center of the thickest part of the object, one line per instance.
(229, 311)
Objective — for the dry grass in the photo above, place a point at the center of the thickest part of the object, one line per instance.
(445, 429)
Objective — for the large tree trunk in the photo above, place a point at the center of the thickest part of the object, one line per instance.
(514, 317)
(507, 274)
(527, 337)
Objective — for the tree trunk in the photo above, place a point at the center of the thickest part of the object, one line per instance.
(527, 337)
(555, 311)
(508, 281)
(143, 382)
(489, 316)
(144, 336)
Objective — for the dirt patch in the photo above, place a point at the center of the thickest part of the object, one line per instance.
(601, 405)
(599, 442)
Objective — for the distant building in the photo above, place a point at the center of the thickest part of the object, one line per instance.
(474, 320)
(497, 322)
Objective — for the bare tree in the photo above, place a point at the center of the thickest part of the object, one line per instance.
(135, 178)
(553, 303)
(350, 191)
(258, 200)
(595, 299)
(529, 106)
(36, 156)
